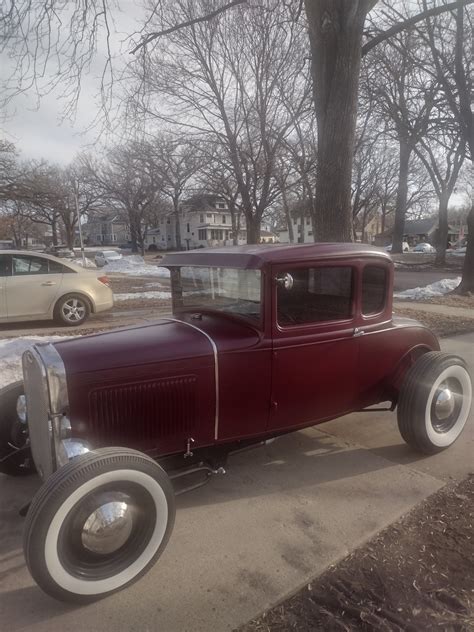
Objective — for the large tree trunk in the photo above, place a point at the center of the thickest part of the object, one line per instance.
(442, 238)
(402, 197)
(177, 224)
(467, 283)
(253, 228)
(286, 209)
(54, 231)
(335, 31)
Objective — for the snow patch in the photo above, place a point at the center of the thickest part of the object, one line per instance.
(11, 350)
(130, 296)
(428, 291)
(135, 266)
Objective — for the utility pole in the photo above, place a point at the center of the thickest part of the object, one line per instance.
(80, 228)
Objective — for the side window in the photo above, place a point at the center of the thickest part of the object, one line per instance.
(374, 289)
(23, 265)
(5, 266)
(317, 294)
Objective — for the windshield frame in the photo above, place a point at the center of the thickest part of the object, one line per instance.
(179, 308)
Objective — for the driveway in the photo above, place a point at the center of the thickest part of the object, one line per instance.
(280, 516)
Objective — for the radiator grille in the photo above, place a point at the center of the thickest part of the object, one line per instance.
(145, 411)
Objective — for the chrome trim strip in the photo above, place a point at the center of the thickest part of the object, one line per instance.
(216, 368)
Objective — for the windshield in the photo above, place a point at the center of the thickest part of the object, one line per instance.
(229, 290)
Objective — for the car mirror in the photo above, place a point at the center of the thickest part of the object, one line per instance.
(285, 281)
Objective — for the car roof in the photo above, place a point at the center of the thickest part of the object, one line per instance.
(44, 255)
(261, 255)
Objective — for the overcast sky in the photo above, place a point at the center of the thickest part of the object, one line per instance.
(37, 129)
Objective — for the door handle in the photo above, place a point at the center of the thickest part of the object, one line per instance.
(358, 332)
(49, 283)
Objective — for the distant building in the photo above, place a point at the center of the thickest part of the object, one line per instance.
(106, 229)
(418, 231)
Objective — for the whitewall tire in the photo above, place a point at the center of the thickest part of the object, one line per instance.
(434, 402)
(98, 524)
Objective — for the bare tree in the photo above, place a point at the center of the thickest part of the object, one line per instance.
(228, 86)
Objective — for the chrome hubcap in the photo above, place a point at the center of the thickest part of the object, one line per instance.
(107, 528)
(444, 403)
(74, 310)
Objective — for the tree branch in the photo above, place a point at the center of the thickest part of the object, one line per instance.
(204, 18)
(401, 26)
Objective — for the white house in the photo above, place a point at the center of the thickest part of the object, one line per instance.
(302, 231)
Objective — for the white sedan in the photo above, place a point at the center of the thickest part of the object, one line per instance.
(41, 287)
(103, 257)
(405, 247)
(424, 247)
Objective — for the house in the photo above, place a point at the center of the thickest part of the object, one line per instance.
(106, 229)
(302, 231)
(418, 231)
(205, 221)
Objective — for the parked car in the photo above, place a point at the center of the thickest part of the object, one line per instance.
(102, 257)
(263, 340)
(405, 247)
(42, 287)
(424, 247)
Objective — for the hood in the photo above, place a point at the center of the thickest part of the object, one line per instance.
(133, 346)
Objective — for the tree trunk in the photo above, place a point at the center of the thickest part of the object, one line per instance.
(253, 228)
(54, 231)
(467, 283)
(442, 229)
(335, 31)
(284, 198)
(402, 196)
(177, 224)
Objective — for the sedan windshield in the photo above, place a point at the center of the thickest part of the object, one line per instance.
(229, 290)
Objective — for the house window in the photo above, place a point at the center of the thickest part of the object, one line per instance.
(224, 219)
(318, 294)
(202, 234)
(168, 221)
(374, 289)
(154, 239)
(217, 234)
(220, 205)
(209, 215)
(187, 225)
(308, 221)
(201, 218)
(114, 237)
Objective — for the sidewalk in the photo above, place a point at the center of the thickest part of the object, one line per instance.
(445, 310)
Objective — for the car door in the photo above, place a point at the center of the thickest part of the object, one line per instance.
(5, 263)
(33, 287)
(315, 343)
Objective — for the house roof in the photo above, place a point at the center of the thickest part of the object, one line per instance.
(420, 226)
(259, 256)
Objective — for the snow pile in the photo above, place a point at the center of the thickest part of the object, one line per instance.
(89, 263)
(135, 266)
(11, 351)
(130, 296)
(428, 291)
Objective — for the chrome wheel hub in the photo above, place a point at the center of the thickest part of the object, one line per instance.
(74, 310)
(444, 403)
(107, 528)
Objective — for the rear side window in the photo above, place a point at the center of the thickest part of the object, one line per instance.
(374, 289)
(57, 268)
(318, 294)
(23, 265)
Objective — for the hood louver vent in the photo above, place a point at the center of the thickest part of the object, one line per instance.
(145, 411)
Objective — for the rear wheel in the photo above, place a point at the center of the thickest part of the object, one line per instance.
(434, 403)
(98, 524)
(71, 310)
(15, 456)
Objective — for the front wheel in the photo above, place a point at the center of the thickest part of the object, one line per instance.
(98, 524)
(434, 403)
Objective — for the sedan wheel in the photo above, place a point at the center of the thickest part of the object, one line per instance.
(435, 400)
(98, 524)
(15, 455)
(72, 310)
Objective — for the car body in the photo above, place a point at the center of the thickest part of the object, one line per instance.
(263, 340)
(405, 247)
(424, 248)
(33, 286)
(103, 257)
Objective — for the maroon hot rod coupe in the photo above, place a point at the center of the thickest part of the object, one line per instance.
(263, 340)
